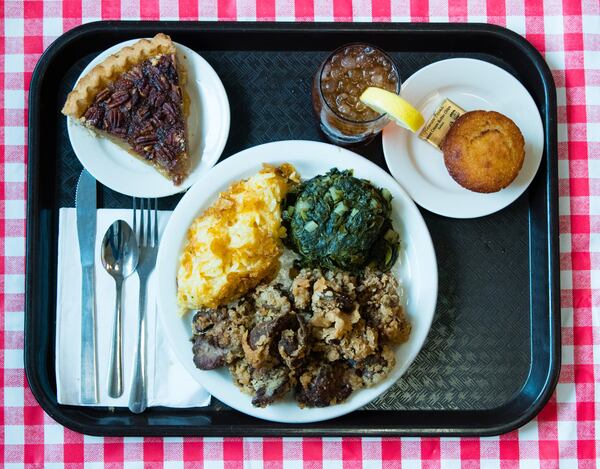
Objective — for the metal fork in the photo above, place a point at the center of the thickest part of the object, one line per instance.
(147, 237)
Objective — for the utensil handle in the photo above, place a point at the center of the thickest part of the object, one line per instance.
(115, 374)
(89, 391)
(137, 397)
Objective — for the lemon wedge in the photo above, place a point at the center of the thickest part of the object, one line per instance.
(394, 106)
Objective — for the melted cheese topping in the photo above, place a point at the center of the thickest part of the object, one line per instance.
(236, 243)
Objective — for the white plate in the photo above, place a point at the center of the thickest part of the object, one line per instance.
(416, 268)
(472, 84)
(208, 129)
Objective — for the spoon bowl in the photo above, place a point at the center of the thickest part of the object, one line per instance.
(120, 254)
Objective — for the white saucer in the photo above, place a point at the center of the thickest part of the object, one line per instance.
(208, 129)
(472, 84)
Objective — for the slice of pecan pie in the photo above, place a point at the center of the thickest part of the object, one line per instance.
(136, 98)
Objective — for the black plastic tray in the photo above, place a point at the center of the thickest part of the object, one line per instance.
(492, 357)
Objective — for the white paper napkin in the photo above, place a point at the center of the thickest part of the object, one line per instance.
(169, 384)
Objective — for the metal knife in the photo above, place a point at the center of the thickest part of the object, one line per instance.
(85, 203)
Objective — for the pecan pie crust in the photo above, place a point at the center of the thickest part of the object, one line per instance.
(136, 97)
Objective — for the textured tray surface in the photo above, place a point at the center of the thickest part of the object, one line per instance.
(477, 355)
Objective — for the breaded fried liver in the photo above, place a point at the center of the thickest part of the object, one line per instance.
(484, 151)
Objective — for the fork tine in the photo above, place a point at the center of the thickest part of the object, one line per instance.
(134, 218)
(142, 230)
(155, 239)
(148, 223)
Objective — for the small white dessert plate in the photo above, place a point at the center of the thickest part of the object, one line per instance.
(473, 85)
(208, 129)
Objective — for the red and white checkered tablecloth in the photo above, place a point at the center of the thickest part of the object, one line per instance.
(566, 432)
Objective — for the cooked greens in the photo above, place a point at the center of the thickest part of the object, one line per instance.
(339, 221)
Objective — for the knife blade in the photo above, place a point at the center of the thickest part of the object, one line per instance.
(85, 203)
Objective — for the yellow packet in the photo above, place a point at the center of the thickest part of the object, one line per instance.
(440, 122)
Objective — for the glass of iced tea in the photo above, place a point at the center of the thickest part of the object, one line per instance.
(338, 84)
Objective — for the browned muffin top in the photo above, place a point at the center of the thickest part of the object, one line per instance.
(484, 151)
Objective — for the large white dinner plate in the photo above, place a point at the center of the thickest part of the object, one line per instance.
(416, 268)
(208, 129)
(472, 84)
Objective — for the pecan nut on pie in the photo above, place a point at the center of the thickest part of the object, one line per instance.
(135, 98)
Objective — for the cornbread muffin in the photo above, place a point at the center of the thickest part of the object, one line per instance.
(484, 151)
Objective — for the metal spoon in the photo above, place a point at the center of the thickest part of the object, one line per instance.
(119, 257)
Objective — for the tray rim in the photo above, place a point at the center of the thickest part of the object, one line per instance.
(487, 425)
